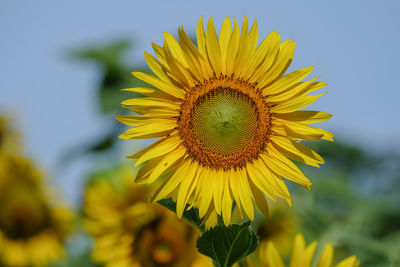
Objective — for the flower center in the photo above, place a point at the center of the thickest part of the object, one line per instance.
(21, 214)
(224, 123)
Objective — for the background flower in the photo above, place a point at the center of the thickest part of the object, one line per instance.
(130, 231)
(33, 226)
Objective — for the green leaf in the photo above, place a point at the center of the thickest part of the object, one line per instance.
(191, 215)
(227, 245)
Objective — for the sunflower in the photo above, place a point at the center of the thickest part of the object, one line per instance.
(302, 255)
(130, 231)
(279, 228)
(31, 230)
(228, 120)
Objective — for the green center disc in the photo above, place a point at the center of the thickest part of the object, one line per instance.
(224, 121)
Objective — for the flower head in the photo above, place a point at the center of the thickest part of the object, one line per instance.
(302, 255)
(130, 231)
(32, 230)
(228, 120)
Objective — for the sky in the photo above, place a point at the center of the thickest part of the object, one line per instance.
(352, 44)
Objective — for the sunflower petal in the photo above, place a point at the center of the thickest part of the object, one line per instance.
(213, 49)
(325, 260)
(174, 180)
(296, 151)
(295, 103)
(287, 81)
(287, 169)
(161, 149)
(226, 202)
(224, 37)
(233, 47)
(151, 130)
(305, 116)
(158, 83)
(186, 188)
(166, 162)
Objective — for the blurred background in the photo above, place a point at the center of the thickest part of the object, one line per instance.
(62, 66)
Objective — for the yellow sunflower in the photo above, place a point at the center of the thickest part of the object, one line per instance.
(228, 120)
(129, 231)
(32, 230)
(302, 256)
(279, 228)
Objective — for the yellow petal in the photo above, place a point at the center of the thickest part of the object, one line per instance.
(245, 193)
(193, 57)
(178, 70)
(157, 68)
(233, 184)
(242, 51)
(211, 219)
(274, 180)
(287, 81)
(304, 131)
(145, 171)
(166, 163)
(260, 199)
(168, 145)
(296, 151)
(201, 38)
(260, 55)
(163, 86)
(160, 53)
(206, 195)
(213, 49)
(218, 179)
(260, 179)
(272, 51)
(284, 167)
(325, 260)
(172, 182)
(226, 202)
(233, 47)
(224, 37)
(140, 90)
(305, 116)
(186, 188)
(144, 150)
(297, 89)
(349, 262)
(280, 66)
(175, 48)
(150, 102)
(272, 256)
(152, 130)
(294, 104)
(299, 247)
(309, 253)
(140, 120)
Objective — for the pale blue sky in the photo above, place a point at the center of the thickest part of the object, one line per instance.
(352, 44)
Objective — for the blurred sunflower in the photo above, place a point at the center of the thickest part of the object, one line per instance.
(129, 231)
(228, 120)
(32, 231)
(9, 136)
(302, 255)
(280, 228)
